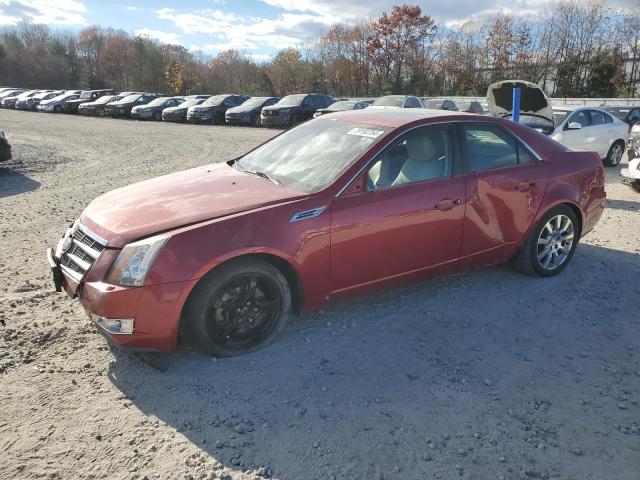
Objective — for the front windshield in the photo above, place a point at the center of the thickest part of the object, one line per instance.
(107, 99)
(390, 101)
(190, 102)
(158, 101)
(215, 100)
(559, 117)
(255, 101)
(84, 95)
(313, 155)
(291, 101)
(341, 106)
(543, 125)
(130, 98)
(62, 97)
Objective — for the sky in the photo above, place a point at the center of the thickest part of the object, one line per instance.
(258, 28)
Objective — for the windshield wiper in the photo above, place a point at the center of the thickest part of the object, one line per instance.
(259, 173)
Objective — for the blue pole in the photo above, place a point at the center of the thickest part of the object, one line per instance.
(515, 108)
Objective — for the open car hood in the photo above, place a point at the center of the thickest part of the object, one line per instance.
(533, 101)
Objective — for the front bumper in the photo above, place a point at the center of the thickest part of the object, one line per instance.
(45, 108)
(116, 112)
(275, 120)
(24, 106)
(143, 318)
(144, 115)
(199, 117)
(174, 117)
(238, 119)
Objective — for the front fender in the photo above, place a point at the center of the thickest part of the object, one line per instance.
(191, 252)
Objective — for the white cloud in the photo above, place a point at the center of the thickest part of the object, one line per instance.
(51, 12)
(162, 37)
(205, 21)
(286, 30)
(260, 57)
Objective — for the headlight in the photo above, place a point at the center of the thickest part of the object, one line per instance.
(134, 262)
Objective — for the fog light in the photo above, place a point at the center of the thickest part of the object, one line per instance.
(116, 326)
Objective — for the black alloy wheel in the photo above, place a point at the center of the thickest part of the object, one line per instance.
(239, 308)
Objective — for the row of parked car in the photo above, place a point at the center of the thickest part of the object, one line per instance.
(606, 131)
(216, 109)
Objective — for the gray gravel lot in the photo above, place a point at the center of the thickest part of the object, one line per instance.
(485, 375)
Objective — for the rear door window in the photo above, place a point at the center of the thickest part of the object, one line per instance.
(597, 117)
(490, 147)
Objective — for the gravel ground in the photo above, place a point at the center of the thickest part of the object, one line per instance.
(485, 375)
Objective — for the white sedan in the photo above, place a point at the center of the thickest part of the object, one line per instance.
(579, 128)
(593, 129)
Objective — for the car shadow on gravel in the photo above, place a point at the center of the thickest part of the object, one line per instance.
(623, 205)
(14, 183)
(490, 373)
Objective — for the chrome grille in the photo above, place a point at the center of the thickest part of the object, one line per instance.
(78, 250)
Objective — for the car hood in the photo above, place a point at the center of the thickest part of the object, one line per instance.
(176, 109)
(241, 109)
(533, 100)
(179, 199)
(120, 104)
(144, 106)
(280, 107)
(384, 107)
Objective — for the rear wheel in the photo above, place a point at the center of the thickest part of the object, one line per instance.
(239, 308)
(551, 244)
(615, 154)
(157, 116)
(255, 120)
(57, 108)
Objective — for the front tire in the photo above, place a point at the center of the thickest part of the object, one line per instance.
(616, 151)
(238, 308)
(551, 244)
(218, 119)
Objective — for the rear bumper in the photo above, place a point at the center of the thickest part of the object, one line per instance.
(154, 310)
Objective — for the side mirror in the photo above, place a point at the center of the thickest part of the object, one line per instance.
(574, 126)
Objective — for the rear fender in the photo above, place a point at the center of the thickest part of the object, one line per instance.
(579, 182)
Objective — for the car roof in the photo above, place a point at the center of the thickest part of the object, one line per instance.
(401, 116)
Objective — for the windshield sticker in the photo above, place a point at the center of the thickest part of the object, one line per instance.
(365, 132)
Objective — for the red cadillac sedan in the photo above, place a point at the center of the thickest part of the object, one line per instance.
(221, 255)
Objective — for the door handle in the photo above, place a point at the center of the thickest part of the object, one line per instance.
(524, 186)
(447, 204)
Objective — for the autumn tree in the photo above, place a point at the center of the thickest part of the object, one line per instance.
(392, 38)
